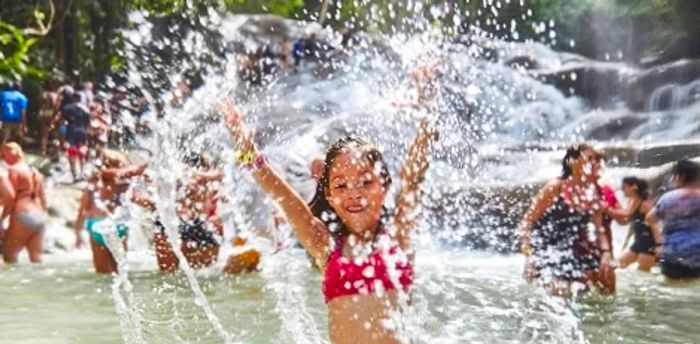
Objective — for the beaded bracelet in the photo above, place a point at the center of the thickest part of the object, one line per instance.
(250, 160)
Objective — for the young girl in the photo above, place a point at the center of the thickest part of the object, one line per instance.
(642, 251)
(364, 263)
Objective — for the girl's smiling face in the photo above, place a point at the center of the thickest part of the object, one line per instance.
(356, 192)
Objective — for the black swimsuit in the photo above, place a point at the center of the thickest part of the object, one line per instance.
(643, 239)
(194, 231)
(561, 245)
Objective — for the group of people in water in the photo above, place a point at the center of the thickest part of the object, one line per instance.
(361, 246)
(566, 235)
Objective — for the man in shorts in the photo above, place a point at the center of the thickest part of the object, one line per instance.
(14, 114)
(77, 119)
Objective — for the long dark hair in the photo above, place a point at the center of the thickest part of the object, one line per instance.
(320, 206)
(641, 185)
(573, 152)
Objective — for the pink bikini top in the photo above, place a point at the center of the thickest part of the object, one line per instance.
(346, 277)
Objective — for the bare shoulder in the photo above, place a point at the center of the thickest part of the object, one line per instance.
(552, 187)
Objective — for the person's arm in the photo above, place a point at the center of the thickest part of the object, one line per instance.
(652, 220)
(209, 176)
(25, 128)
(412, 175)
(544, 199)
(622, 216)
(7, 196)
(123, 172)
(41, 192)
(85, 200)
(143, 201)
(310, 231)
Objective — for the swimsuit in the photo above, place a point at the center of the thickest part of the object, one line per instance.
(34, 220)
(345, 276)
(561, 246)
(194, 231)
(643, 239)
(97, 235)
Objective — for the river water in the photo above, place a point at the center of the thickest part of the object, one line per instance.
(475, 298)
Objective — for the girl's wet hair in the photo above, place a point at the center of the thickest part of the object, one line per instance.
(641, 186)
(320, 206)
(573, 152)
(686, 169)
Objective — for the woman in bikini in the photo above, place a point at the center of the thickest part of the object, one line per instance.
(555, 230)
(26, 208)
(364, 254)
(100, 199)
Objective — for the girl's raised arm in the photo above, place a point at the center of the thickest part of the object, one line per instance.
(310, 231)
(412, 174)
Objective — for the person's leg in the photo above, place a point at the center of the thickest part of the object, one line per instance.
(20, 134)
(102, 259)
(645, 262)
(6, 132)
(167, 261)
(35, 247)
(16, 238)
(44, 140)
(72, 161)
(627, 258)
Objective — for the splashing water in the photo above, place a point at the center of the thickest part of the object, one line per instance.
(501, 132)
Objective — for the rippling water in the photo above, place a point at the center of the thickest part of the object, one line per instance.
(460, 297)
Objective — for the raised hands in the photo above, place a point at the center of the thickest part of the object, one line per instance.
(240, 135)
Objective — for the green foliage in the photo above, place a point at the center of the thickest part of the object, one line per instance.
(635, 28)
(15, 50)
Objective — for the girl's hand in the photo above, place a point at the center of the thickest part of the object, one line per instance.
(233, 119)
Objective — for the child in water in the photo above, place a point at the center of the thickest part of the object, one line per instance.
(344, 229)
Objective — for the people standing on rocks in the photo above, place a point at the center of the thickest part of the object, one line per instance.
(76, 119)
(555, 229)
(48, 109)
(100, 198)
(26, 208)
(643, 249)
(346, 228)
(13, 113)
(675, 223)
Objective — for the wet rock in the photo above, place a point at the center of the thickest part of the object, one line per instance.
(616, 128)
(646, 157)
(599, 83)
(639, 87)
(525, 62)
